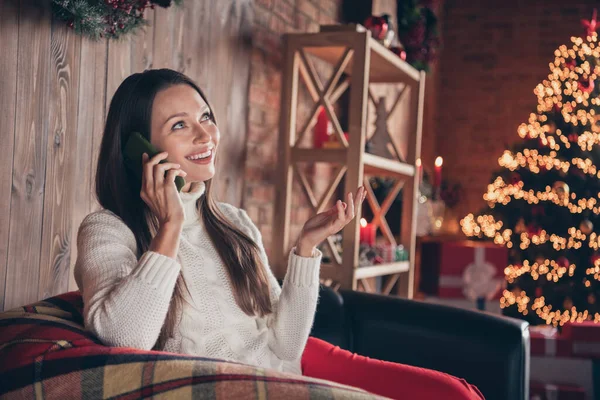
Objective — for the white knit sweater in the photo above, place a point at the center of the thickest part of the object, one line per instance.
(126, 299)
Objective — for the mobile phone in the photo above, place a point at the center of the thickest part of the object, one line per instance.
(135, 147)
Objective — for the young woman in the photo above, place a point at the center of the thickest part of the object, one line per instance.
(183, 273)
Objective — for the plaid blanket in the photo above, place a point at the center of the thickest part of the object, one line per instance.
(46, 353)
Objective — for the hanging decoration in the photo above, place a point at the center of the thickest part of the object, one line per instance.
(378, 26)
(112, 19)
(417, 31)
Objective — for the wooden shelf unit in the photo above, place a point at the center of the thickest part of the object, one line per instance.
(363, 60)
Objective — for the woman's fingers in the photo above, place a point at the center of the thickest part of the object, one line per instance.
(156, 173)
(344, 212)
(148, 167)
(340, 210)
(160, 170)
(350, 208)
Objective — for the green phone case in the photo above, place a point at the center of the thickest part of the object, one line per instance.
(135, 147)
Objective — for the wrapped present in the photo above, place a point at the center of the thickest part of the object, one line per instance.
(462, 269)
(584, 337)
(549, 391)
(546, 342)
(571, 371)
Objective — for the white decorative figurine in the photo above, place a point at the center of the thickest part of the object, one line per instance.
(479, 282)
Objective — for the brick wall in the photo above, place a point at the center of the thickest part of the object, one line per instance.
(494, 54)
(272, 19)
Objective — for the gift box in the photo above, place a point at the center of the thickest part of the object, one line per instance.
(549, 391)
(446, 263)
(546, 342)
(584, 337)
(553, 359)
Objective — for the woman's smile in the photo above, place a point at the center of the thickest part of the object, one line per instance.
(203, 158)
(200, 154)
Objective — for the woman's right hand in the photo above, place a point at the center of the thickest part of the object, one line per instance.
(159, 191)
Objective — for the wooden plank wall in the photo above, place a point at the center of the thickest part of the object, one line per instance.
(55, 88)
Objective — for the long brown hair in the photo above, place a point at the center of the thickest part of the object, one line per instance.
(118, 190)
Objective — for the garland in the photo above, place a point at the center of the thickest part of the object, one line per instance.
(105, 18)
(418, 31)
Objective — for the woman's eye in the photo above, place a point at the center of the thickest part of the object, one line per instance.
(180, 122)
(206, 116)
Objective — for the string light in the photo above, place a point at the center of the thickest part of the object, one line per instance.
(544, 311)
(486, 225)
(550, 269)
(533, 161)
(503, 193)
(521, 300)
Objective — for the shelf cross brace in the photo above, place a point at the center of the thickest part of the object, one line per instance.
(319, 206)
(379, 211)
(323, 96)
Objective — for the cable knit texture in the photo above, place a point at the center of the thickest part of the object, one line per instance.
(126, 299)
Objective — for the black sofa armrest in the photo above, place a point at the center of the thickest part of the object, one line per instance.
(330, 320)
(489, 351)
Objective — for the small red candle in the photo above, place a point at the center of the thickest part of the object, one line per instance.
(321, 130)
(437, 179)
(419, 171)
(367, 233)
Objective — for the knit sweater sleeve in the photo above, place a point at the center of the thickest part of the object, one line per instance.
(125, 299)
(294, 303)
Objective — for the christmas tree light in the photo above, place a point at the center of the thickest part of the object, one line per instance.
(544, 202)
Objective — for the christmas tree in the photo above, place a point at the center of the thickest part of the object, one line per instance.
(544, 202)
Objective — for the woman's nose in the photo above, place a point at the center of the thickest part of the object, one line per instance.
(201, 134)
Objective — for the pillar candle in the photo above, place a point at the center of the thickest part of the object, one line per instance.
(367, 232)
(419, 171)
(321, 129)
(437, 181)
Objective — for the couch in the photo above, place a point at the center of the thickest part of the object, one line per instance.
(46, 352)
(489, 351)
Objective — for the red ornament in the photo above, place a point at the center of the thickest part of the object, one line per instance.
(399, 51)
(563, 262)
(573, 137)
(533, 230)
(586, 86)
(591, 25)
(571, 64)
(378, 26)
(538, 292)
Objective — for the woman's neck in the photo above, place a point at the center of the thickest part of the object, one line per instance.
(189, 199)
(192, 187)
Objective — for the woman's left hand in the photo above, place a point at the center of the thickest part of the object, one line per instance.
(327, 223)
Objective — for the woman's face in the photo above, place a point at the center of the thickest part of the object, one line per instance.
(181, 125)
